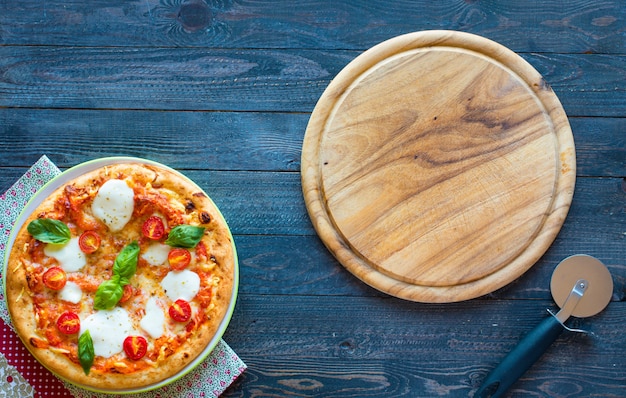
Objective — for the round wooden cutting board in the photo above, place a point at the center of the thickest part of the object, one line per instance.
(438, 166)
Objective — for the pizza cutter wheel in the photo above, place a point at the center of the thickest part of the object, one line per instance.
(581, 286)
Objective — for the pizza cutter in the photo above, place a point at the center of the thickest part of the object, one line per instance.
(581, 286)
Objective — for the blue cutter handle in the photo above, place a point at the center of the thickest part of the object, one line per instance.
(526, 353)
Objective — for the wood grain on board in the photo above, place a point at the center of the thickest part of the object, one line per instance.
(438, 166)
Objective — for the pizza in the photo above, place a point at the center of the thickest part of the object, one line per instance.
(121, 277)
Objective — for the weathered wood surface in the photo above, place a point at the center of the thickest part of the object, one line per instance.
(279, 252)
(275, 80)
(261, 141)
(324, 352)
(223, 91)
(554, 26)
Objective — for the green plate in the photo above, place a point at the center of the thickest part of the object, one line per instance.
(91, 165)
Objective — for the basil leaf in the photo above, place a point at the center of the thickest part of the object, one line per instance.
(48, 230)
(111, 291)
(85, 351)
(108, 294)
(126, 261)
(186, 236)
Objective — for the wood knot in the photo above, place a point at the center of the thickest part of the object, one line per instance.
(348, 346)
(194, 15)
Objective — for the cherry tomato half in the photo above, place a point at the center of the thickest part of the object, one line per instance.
(135, 347)
(54, 278)
(68, 323)
(89, 242)
(128, 292)
(180, 311)
(153, 228)
(179, 258)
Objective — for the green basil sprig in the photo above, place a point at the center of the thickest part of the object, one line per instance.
(126, 261)
(108, 294)
(48, 230)
(85, 351)
(186, 236)
(110, 291)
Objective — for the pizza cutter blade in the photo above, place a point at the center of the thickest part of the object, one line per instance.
(581, 286)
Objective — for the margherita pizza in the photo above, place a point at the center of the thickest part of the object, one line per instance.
(121, 277)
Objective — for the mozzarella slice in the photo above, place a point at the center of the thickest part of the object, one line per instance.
(183, 284)
(153, 322)
(108, 329)
(69, 255)
(114, 204)
(71, 292)
(156, 254)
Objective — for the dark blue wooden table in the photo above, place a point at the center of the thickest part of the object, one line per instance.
(222, 90)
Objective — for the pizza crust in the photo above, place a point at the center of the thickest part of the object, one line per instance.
(198, 210)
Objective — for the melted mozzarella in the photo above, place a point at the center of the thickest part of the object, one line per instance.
(69, 255)
(108, 329)
(71, 292)
(114, 204)
(153, 322)
(156, 254)
(183, 284)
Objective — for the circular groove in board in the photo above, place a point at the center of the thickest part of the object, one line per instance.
(438, 166)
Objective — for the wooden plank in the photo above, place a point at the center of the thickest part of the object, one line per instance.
(272, 204)
(537, 26)
(165, 78)
(587, 84)
(397, 348)
(182, 140)
(594, 226)
(293, 265)
(224, 140)
(306, 377)
(291, 260)
(257, 80)
(296, 265)
(600, 146)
